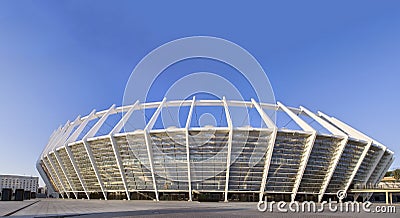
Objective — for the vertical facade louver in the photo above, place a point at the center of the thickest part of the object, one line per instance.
(311, 157)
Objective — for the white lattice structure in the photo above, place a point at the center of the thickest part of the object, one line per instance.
(230, 161)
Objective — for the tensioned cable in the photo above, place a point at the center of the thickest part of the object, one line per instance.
(173, 120)
(311, 122)
(220, 119)
(245, 118)
(144, 113)
(195, 113)
(320, 128)
(288, 123)
(85, 130)
(107, 124)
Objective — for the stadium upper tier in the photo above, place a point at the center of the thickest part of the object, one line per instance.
(193, 149)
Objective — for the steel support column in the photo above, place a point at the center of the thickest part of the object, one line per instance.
(54, 176)
(116, 150)
(307, 147)
(62, 139)
(94, 166)
(228, 157)
(92, 132)
(270, 146)
(187, 126)
(77, 171)
(120, 165)
(148, 140)
(82, 124)
(53, 165)
(65, 174)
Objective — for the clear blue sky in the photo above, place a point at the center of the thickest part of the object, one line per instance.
(59, 59)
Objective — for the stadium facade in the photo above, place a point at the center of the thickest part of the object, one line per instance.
(97, 156)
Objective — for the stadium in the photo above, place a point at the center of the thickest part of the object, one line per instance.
(251, 151)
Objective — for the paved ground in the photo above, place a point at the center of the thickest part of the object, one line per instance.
(114, 208)
(8, 207)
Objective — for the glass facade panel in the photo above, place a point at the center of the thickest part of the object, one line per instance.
(345, 167)
(107, 167)
(47, 172)
(378, 169)
(61, 175)
(366, 165)
(85, 168)
(135, 164)
(208, 156)
(53, 176)
(248, 159)
(69, 170)
(170, 160)
(285, 162)
(318, 163)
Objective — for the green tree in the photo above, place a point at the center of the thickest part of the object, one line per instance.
(389, 173)
(396, 174)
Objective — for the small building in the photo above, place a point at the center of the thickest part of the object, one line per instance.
(12, 183)
(42, 192)
(388, 182)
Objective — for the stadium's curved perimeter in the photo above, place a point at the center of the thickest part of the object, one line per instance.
(313, 160)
